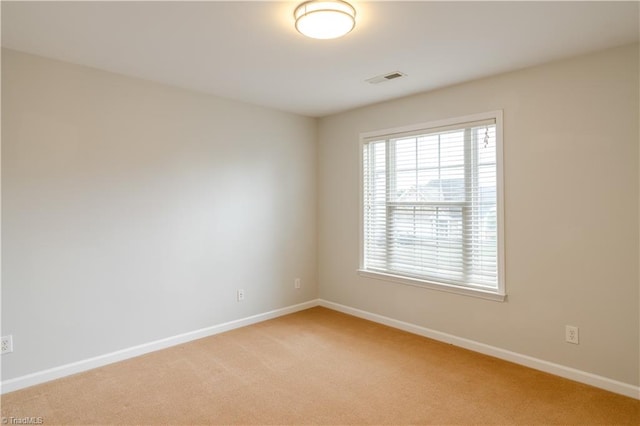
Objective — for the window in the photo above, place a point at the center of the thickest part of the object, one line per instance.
(432, 205)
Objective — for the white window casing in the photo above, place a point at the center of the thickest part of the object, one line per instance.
(432, 205)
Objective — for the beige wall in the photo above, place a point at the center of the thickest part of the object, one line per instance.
(132, 211)
(571, 205)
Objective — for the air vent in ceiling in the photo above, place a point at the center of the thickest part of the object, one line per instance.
(386, 77)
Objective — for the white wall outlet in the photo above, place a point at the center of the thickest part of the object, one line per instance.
(296, 283)
(7, 344)
(240, 295)
(571, 334)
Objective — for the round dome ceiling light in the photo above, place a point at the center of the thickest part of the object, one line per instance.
(325, 19)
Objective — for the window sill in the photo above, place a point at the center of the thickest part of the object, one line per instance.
(482, 294)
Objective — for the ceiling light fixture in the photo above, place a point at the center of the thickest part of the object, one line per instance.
(325, 19)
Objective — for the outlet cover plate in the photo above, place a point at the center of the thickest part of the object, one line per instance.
(571, 334)
(7, 344)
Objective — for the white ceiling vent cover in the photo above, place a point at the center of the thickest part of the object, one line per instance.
(386, 77)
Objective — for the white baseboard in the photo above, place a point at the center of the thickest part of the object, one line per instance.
(538, 364)
(535, 363)
(99, 361)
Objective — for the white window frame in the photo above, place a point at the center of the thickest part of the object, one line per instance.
(500, 293)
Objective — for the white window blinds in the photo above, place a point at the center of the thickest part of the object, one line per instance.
(430, 205)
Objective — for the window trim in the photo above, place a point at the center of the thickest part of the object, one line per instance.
(500, 293)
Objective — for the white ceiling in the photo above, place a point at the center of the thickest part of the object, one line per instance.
(250, 51)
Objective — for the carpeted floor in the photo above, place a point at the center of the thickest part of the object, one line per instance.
(317, 367)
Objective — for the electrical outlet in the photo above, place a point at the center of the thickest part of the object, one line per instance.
(240, 295)
(7, 344)
(571, 334)
(296, 283)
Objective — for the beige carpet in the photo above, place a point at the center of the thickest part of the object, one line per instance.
(318, 367)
